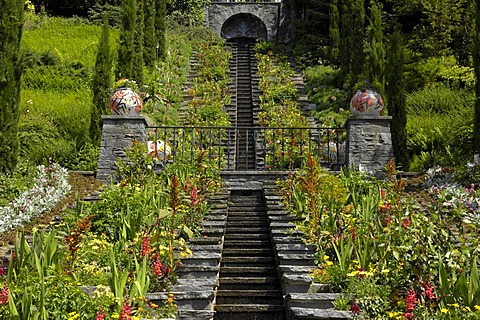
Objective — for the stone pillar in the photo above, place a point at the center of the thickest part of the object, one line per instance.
(118, 134)
(369, 144)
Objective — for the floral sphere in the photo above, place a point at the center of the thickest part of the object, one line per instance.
(125, 102)
(366, 103)
(161, 150)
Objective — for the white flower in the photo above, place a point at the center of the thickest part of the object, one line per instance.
(49, 188)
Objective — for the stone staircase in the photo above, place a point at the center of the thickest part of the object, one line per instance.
(250, 262)
(249, 285)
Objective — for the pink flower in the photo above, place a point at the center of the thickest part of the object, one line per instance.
(406, 222)
(194, 196)
(354, 308)
(410, 302)
(4, 295)
(146, 246)
(383, 193)
(429, 290)
(101, 314)
(126, 310)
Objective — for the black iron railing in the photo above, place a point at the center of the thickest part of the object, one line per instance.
(248, 148)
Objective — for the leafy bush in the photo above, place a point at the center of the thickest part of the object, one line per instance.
(439, 126)
(332, 103)
(20, 180)
(421, 72)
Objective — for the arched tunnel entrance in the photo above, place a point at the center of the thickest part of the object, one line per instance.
(244, 25)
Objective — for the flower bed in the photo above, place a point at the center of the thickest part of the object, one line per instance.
(50, 187)
(390, 257)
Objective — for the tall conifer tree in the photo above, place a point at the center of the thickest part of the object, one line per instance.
(358, 36)
(160, 13)
(149, 42)
(126, 47)
(476, 62)
(101, 83)
(375, 50)
(346, 40)
(395, 92)
(334, 32)
(137, 69)
(11, 67)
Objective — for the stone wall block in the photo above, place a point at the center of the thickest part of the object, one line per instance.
(118, 134)
(369, 144)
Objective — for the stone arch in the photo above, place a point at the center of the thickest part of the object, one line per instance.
(244, 25)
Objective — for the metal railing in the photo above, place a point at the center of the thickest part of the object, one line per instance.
(248, 148)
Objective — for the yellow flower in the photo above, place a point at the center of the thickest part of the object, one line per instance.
(456, 305)
(352, 274)
(73, 315)
(467, 308)
(329, 263)
(326, 258)
(115, 316)
(444, 310)
(477, 307)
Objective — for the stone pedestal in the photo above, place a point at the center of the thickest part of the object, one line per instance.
(118, 134)
(369, 144)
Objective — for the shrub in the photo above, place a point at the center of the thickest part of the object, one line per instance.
(439, 126)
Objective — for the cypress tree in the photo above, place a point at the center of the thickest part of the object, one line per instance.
(334, 32)
(395, 92)
(358, 36)
(160, 13)
(126, 47)
(11, 68)
(375, 51)
(137, 70)
(149, 43)
(101, 83)
(346, 42)
(476, 62)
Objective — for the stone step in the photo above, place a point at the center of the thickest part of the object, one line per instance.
(249, 311)
(248, 243)
(318, 314)
(248, 252)
(239, 236)
(249, 297)
(195, 314)
(247, 271)
(247, 229)
(311, 300)
(247, 261)
(252, 283)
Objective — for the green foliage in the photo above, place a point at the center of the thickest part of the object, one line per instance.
(53, 130)
(437, 133)
(187, 12)
(476, 62)
(102, 80)
(137, 69)
(332, 102)
(378, 247)
(11, 66)
(210, 90)
(334, 32)
(77, 43)
(149, 42)
(423, 72)
(21, 179)
(395, 96)
(374, 48)
(126, 48)
(160, 38)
